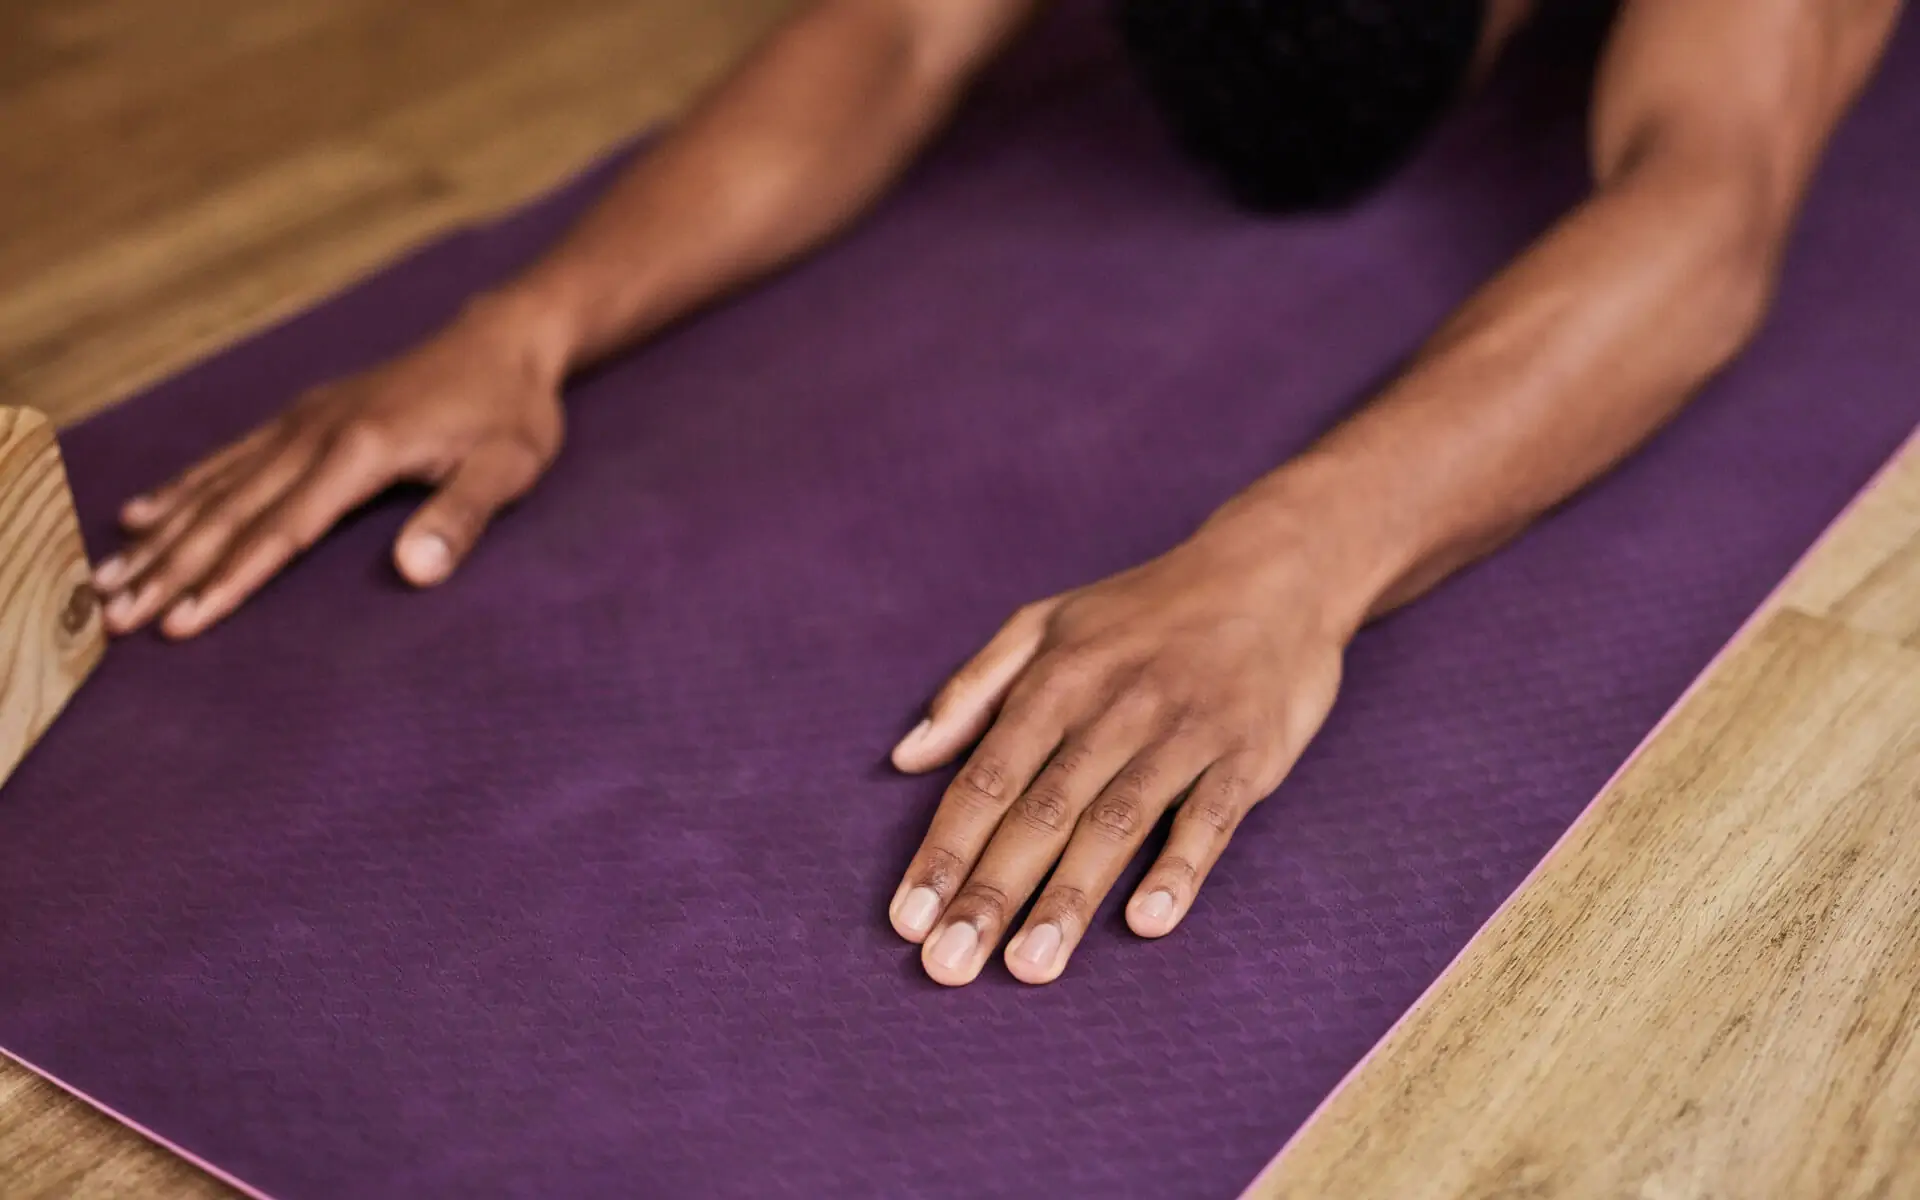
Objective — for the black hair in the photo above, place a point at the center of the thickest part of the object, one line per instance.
(1302, 104)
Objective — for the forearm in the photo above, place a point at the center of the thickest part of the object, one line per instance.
(1552, 373)
(1709, 119)
(782, 156)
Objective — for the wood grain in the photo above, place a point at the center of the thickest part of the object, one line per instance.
(1710, 981)
(1712, 986)
(1867, 573)
(176, 183)
(50, 630)
(52, 1147)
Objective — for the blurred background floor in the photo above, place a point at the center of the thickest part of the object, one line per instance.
(174, 175)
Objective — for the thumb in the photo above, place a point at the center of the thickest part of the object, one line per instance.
(445, 529)
(965, 707)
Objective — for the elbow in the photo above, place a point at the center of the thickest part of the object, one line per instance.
(1738, 274)
(1726, 218)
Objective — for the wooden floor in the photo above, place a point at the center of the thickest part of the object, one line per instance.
(1709, 990)
(1712, 987)
(173, 174)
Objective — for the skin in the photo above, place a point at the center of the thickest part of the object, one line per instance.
(1193, 681)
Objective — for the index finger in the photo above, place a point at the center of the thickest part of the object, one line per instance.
(1006, 761)
(344, 478)
(147, 510)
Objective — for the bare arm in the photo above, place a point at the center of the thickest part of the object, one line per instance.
(1198, 678)
(784, 154)
(810, 130)
(1708, 121)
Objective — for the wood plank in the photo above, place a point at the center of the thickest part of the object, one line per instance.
(1868, 573)
(200, 129)
(51, 635)
(1712, 986)
(105, 300)
(515, 130)
(52, 1147)
(191, 309)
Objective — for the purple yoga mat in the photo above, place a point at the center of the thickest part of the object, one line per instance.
(569, 879)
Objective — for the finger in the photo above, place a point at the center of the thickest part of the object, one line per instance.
(1012, 753)
(1108, 836)
(133, 603)
(120, 570)
(143, 512)
(197, 545)
(964, 708)
(1023, 849)
(349, 475)
(445, 529)
(1201, 830)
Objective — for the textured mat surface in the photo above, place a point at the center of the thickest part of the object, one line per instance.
(569, 878)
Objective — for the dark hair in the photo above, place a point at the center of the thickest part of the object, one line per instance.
(1302, 104)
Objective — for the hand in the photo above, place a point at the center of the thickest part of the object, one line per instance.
(1195, 680)
(475, 411)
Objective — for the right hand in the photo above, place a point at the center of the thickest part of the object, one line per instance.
(475, 412)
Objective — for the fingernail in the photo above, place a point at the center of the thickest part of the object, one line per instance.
(138, 505)
(1039, 946)
(955, 946)
(1158, 906)
(425, 558)
(918, 909)
(915, 735)
(181, 614)
(129, 605)
(109, 574)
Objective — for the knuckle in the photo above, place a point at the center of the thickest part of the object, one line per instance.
(1064, 903)
(1240, 789)
(212, 532)
(1040, 691)
(457, 516)
(361, 438)
(1203, 726)
(307, 403)
(1117, 816)
(1216, 812)
(1060, 677)
(1045, 808)
(536, 448)
(982, 901)
(983, 783)
(1135, 781)
(280, 540)
(940, 869)
(1135, 703)
(1070, 761)
(1178, 867)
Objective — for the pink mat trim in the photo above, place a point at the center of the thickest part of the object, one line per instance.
(1763, 611)
(173, 1148)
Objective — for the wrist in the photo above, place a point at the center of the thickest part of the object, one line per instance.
(533, 326)
(1313, 525)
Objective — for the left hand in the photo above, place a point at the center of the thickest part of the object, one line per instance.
(1195, 680)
